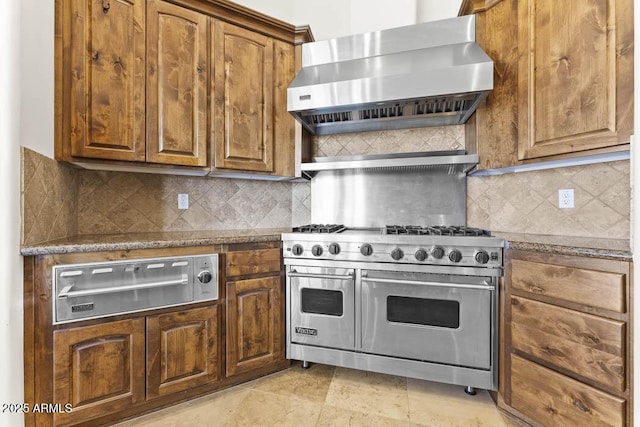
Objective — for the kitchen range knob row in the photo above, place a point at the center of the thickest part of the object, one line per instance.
(437, 252)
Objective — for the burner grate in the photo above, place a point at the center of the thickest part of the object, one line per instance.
(436, 230)
(320, 228)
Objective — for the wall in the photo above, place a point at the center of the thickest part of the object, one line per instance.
(11, 372)
(431, 10)
(36, 68)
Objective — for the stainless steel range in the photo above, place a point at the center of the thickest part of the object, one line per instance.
(412, 300)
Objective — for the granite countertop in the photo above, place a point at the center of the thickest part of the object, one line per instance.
(114, 242)
(618, 249)
(562, 245)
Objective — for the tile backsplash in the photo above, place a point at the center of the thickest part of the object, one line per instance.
(116, 202)
(527, 202)
(391, 141)
(59, 201)
(48, 197)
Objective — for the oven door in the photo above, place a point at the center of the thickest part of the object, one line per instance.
(322, 305)
(430, 317)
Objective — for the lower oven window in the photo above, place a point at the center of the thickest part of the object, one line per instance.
(420, 311)
(322, 301)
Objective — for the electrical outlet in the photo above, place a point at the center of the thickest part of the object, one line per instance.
(565, 198)
(183, 201)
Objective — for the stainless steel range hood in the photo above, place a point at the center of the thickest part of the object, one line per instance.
(429, 74)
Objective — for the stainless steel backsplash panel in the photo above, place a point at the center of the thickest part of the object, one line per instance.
(377, 197)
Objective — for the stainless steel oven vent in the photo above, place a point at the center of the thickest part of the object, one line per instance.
(455, 106)
(318, 119)
(380, 113)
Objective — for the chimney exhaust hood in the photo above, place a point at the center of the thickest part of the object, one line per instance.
(428, 74)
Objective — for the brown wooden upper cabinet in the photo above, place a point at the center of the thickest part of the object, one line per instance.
(243, 68)
(103, 79)
(177, 84)
(190, 84)
(564, 89)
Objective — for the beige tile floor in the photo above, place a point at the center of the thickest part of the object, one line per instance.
(327, 396)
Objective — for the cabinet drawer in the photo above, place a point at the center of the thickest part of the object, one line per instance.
(241, 263)
(587, 345)
(589, 287)
(555, 400)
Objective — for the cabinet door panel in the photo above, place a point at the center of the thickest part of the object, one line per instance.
(575, 84)
(178, 83)
(107, 60)
(555, 400)
(255, 332)
(592, 288)
(284, 125)
(587, 345)
(243, 115)
(182, 350)
(256, 261)
(98, 369)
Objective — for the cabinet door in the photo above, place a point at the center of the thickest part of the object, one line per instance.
(243, 107)
(178, 81)
(107, 79)
(182, 350)
(575, 83)
(255, 329)
(98, 369)
(284, 125)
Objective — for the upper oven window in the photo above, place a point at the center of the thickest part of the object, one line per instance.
(322, 301)
(421, 311)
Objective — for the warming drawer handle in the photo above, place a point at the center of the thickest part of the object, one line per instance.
(484, 287)
(321, 276)
(66, 292)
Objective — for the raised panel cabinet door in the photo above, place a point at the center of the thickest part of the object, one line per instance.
(575, 82)
(255, 329)
(98, 369)
(178, 81)
(106, 75)
(243, 107)
(182, 350)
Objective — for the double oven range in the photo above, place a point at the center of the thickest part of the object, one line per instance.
(415, 300)
(420, 302)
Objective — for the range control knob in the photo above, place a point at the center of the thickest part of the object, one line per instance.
(482, 257)
(316, 250)
(334, 249)
(205, 276)
(397, 254)
(297, 249)
(366, 249)
(455, 256)
(437, 252)
(421, 254)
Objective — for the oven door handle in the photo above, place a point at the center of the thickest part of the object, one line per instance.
(485, 286)
(294, 273)
(66, 292)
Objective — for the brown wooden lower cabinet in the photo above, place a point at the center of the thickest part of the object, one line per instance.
(567, 346)
(182, 350)
(255, 333)
(107, 370)
(98, 369)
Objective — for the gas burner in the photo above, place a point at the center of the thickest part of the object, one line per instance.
(320, 228)
(436, 230)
